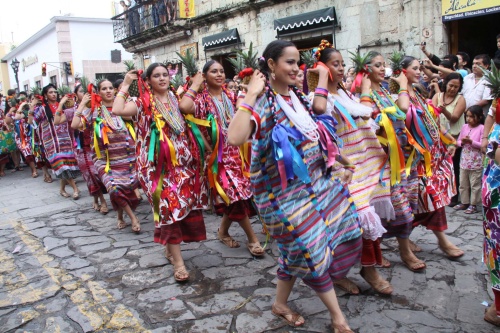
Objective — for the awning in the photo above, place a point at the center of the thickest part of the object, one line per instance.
(225, 38)
(456, 10)
(318, 19)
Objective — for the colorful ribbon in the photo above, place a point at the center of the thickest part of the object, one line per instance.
(345, 114)
(396, 156)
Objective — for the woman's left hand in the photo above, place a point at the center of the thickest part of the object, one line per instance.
(347, 178)
(451, 150)
(64, 99)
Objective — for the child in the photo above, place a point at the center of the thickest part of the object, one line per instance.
(471, 160)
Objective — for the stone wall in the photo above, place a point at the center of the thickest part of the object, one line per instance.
(372, 24)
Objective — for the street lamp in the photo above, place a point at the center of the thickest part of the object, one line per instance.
(15, 67)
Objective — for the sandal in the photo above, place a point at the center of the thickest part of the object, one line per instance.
(228, 240)
(460, 207)
(414, 266)
(121, 225)
(289, 316)
(2, 174)
(490, 315)
(471, 210)
(64, 194)
(341, 329)
(180, 274)
(136, 226)
(348, 286)
(47, 179)
(255, 249)
(385, 263)
(104, 209)
(34, 175)
(453, 252)
(76, 195)
(95, 206)
(381, 286)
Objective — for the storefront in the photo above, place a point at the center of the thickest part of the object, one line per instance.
(472, 25)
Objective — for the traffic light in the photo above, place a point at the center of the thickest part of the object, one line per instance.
(44, 69)
(68, 68)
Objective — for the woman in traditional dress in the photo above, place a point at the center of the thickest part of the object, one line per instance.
(225, 168)
(452, 118)
(168, 164)
(369, 187)
(432, 177)
(113, 151)
(84, 154)
(4, 158)
(304, 207)
(23, 131)
(56, 140)
(390, 118)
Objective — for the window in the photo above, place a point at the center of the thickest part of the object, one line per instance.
(26, 87)
(38, 84)
(53, 80)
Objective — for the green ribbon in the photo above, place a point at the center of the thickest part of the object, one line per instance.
(153, 142)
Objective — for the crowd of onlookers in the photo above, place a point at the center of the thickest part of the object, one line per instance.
(141, 15)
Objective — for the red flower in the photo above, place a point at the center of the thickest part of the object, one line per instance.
(246, 72)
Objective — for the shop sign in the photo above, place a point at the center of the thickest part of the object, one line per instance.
(460, 9)
(26, 62)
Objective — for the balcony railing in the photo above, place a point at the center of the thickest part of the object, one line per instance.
(144, 16)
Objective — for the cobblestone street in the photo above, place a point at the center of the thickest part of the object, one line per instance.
(66, 268)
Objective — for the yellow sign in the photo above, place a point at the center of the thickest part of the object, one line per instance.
(186, 8)
(459, 9)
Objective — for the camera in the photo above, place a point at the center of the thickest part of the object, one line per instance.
(421, 62)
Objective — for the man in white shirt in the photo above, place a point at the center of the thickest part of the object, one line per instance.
(474, 89)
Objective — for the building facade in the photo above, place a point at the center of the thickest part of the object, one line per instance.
(220, 26)
(86, 43)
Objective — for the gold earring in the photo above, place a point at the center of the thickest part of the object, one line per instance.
(273, 76)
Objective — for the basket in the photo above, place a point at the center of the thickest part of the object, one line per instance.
(312, 80)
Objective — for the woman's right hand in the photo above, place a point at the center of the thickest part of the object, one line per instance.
(257, 83)
(129, 78)
(197, 80)
(85, 99)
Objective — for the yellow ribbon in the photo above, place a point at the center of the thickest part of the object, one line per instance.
(96, 146)
(425, 153)
(197, 121)
(107, 162)
(394, 150)
(245, 158)
(130, 129)
(156, 199)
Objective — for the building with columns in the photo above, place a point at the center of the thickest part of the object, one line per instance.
(220, 26)
(85, 42)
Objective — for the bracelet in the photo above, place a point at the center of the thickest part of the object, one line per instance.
(351, 170)
(404, 94)
(350, 167)
(58, 113)
(78, 114)
(193, 91)
(320, 95)
(485, 137)
(402, 90)
(246, 108)
(189, 95)
(366, 99)
(123, 95)
(123, 92)
(321, 91)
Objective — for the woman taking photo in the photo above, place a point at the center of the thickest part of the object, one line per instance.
(83, 154)
(304, 208)
(361, 146)
(391, 119)
(230, 187)
(56, 140)
(174, 185)
(113, 151)
(452, 107)
(431, 176)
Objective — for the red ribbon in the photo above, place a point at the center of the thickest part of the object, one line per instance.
(497, 111)
(245, 72)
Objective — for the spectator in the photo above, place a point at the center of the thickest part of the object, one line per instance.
(463, 61)
(475, 90)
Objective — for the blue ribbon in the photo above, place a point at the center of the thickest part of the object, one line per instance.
(329, 122)
(345, 114)
(283, 150)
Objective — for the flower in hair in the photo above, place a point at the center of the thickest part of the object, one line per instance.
(323, 45)
(262, 58)
(245, 72)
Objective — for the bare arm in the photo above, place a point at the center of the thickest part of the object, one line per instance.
(120, 106)
(319, 103)
(488, 124)
(186, 105)
(458, 111)
(60, 117)
(403, 101)
(241, 127)
(77, 121)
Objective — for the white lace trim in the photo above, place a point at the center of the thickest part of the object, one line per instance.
(371, 224)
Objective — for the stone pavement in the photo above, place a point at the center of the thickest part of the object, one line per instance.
(66, 268)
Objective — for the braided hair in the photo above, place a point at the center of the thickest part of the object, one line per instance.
(46, 106)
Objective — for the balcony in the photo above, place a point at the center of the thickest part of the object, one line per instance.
(150, 24)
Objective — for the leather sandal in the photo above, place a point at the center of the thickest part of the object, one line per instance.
(228, 240)
(181, 274)
(381, 286)
(452, 253)
(347, 285)
(169, 256)
(490, 315)
(64, 194)
(289, 316)
(341, 329)
(414, 247)
(385, 263)
(103, 209)
(136, 226)
(121, 225)
(255, 249)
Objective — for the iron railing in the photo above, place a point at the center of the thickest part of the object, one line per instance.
(144, 16)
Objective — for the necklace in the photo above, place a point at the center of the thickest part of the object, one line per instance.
(444, 100)
(115, 123)
(383, 104)
(299, 117)
(170, 113)
(427, 118)
(224, 109)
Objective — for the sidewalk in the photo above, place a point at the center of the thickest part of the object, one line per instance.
(66, 268)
